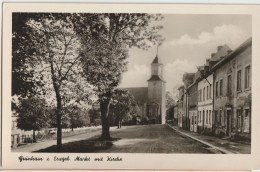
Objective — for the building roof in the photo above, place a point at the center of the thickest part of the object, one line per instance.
(140, 94)
(156, 78)
(221, 52)
(234, 53)
(156, 60)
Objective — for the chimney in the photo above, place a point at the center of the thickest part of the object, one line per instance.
(219, 47)
(212, 55)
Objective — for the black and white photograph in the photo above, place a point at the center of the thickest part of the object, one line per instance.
(129, 83)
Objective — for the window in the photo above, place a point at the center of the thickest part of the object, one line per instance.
(229, 86)
(221, 87)
(204, 94)
(247, 121)
(216, 117)
(195, 120)
(210, 117)
(207, 92)
(207, 117)
(210, 91)
(239, 119)
(200, 95)
(203, 116)
(239, 80)
(222, 118)
(216, 89)
(13, 124)
(247, 77)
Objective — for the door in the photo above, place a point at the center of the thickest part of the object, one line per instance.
(228, 122)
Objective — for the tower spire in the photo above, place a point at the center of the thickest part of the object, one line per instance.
(157, 50)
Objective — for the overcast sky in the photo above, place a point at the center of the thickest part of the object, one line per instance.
(189, 40)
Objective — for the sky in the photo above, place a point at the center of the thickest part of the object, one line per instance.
(189, 41)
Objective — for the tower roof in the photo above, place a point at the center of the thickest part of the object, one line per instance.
(155, 78)
(156, 60)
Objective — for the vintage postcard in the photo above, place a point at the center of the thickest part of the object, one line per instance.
(130, 86)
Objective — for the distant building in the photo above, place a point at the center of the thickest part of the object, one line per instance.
(180, 106)
(151, 100)
(18, 136)
(192, 92)
(187, 80)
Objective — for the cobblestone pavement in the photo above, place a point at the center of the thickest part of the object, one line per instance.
(138, 139)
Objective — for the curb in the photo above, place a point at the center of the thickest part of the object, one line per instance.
(203, 142)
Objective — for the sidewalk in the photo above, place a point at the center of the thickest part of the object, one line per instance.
(222, 145)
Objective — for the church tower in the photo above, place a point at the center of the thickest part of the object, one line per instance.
(156, 109)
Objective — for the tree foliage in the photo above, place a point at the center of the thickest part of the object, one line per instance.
(32, 114)
(106, 39)
(54, 56)
(121, 105)
(23, 83)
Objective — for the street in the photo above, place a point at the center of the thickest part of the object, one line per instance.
(128, 139)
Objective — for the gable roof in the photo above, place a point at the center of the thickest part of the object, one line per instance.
(140, 94)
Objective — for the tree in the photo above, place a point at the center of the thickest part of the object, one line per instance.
(76, 117)
(95, 117)
(169, 100)
(54, 57)
(23, 83)
(106, 38)
(122, 103)
(169, 106)
(32, 115)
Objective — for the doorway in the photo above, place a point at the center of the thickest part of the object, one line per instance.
(228, 122)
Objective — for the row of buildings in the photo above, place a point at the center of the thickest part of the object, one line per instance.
(217, 98)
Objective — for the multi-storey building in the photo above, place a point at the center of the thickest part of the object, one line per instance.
(192, 92)
(232, 99)
(220, 93)
(180, 106)
(187, 80)
(205, 104)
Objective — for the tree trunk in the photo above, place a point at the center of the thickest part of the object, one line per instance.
(104, 108)
(118, 122)
(34, 137)
(56, 86)
(72, 128)
(59, 129)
